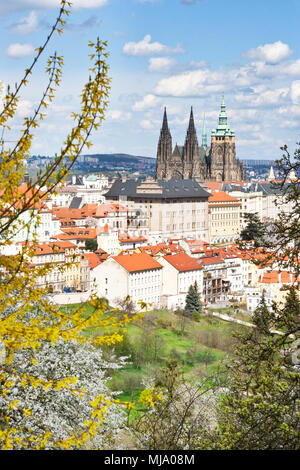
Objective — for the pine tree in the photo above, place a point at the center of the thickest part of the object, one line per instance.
(254, 229)
(91, 244)
(192, 302)
(261, 410)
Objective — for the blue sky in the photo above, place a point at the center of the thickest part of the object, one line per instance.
(174, 53)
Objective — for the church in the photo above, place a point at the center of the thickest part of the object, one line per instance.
(215, 163)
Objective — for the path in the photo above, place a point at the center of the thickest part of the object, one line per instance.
(225, 317)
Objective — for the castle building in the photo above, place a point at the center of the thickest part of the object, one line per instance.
(217, 163)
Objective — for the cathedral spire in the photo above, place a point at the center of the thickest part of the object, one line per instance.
(271, 176)
(165, 126)
(191, 149)
(191, 127)
(164, 148)
(204, 134)
(223, 115)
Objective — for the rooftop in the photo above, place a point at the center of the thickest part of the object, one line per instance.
(183, 262)
(165, 189)
(221, 196)
(137, 262)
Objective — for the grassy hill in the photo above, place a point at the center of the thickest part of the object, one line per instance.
(202, 348)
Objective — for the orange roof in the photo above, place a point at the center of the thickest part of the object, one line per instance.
(67, 213)
(275, 277)
(213, 185)
(64, 244)
(126, 238)
(93, 259)
(76, 233)
(183, 262)
(52, 247)
(212, 260)
(45, 249)
(162, 248)
(221, 196)
(137, 262)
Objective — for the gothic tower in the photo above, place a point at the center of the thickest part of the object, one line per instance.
(223, 163)
(191, 150)
(164, 149)
(215, 163)
(204, 134)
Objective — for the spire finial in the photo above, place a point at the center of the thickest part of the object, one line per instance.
(165, 120)
(191, 123)
(204, 135)
(223, 101)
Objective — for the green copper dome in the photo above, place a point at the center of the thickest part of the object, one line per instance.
(223, 129)
(204, 134)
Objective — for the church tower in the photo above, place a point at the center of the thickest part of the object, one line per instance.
(223, 163)
(204, 134)
(164, 149)
(191, 150)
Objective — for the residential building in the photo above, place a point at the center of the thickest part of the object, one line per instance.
(180, 271)
(137, 275)
(215, 282)
(224, 217)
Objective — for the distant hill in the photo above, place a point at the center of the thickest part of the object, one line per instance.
(117, 157)
(115, 162)
(103, 162)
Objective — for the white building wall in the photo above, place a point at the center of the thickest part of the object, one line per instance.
(235, 274)
(111, 281)
(115, 282)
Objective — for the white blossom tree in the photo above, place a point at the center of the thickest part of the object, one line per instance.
(40, 403)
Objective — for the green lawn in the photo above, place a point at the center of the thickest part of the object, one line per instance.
(202, 348)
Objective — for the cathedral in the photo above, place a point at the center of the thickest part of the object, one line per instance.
(215, 163)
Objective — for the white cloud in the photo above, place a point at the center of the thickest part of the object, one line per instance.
(161, 64)
(270, 53)
(261, 96)
(195, 83)
(25, 108)
(145, 48)
(23, 5)
(288, 124)
(169, 64)
(295, 92)
(290, 111)
(26, 25)
(19, 50)
(117, 115)
(147, 124)
(149, 101)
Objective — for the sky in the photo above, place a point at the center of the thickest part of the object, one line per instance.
(173, 53)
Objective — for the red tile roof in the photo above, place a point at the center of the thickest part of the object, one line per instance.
(222, 197)
(275, 277)
(161, 248)
(137, 262)
(76, 233)
(211, 260)
(93, 259)
(183, 262)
